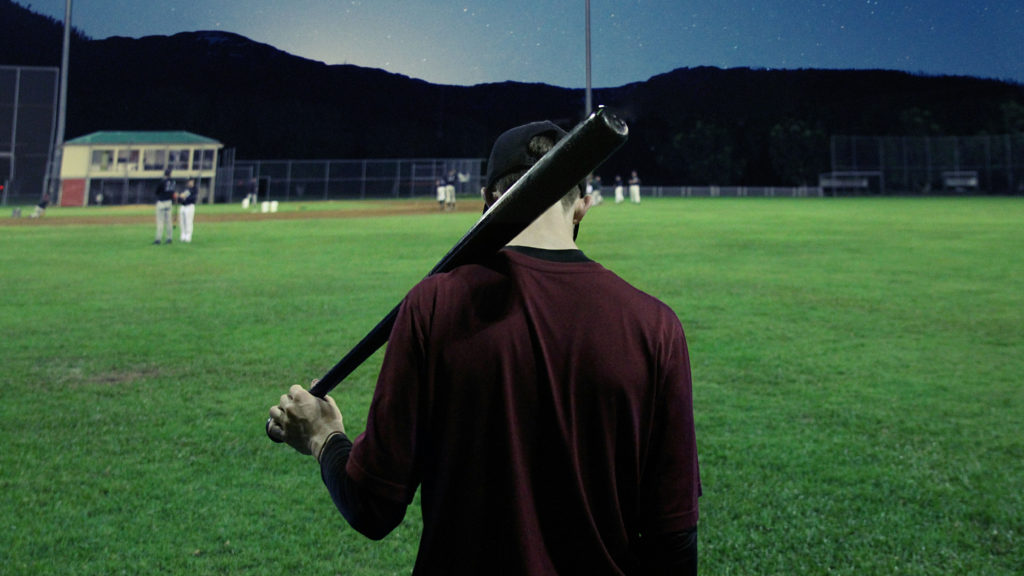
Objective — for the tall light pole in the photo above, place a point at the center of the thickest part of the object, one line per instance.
(62, 103)
(590, 101)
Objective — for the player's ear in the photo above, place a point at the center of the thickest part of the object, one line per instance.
(581, 207)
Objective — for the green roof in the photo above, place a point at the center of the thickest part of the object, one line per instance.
(168, 137)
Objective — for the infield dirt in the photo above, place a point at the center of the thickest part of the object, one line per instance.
(135, 214)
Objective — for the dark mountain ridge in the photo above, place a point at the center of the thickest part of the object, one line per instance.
(695, 125)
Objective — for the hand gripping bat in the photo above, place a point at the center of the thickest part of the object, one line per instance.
(574, 157)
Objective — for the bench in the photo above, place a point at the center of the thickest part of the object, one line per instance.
(960, 180)
(844, 181)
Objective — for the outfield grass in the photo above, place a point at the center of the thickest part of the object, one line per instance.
(857, 370)
(146, 210)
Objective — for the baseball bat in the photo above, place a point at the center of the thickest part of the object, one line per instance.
(575, 156)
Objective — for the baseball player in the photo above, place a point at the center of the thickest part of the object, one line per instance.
(164, 205)
(548, 431)
(634, 188)
(187, 210)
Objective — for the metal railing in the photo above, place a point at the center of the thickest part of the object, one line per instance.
(296, 180)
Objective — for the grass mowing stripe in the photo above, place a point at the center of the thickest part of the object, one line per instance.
(856, 369)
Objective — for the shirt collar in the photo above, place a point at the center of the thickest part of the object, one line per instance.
(574, 255)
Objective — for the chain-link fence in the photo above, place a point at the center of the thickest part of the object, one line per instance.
(991, 164)
(722, 192)
(297, 180)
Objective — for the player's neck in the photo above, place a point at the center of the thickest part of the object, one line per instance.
(552, 230)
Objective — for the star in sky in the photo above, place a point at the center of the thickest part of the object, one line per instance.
(631, 40)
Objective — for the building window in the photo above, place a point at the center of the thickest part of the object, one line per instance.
(202, 160)
(154, 159)
(178, 159)
(128, 160)
(102, 159)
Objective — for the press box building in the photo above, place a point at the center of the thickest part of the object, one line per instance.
(125, 167)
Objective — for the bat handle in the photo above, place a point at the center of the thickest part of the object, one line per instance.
(370, 343)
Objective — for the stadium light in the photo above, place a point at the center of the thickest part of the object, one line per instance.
(590, 101)
(58, 144)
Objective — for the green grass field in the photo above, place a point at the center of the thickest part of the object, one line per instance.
(857, 370)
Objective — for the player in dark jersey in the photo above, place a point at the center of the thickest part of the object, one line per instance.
(165, 195)
(187, 211)
(540, 403)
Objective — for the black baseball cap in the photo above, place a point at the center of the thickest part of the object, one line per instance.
(511, 152)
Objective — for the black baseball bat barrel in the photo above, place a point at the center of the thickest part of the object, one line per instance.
(567, 164)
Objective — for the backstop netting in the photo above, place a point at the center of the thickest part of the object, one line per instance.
(28, 112)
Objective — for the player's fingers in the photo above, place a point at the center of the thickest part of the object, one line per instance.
(331, 402)
(274, 431)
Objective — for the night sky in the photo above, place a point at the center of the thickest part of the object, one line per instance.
(465, 43)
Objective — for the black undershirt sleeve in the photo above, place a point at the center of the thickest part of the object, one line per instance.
(370, 515)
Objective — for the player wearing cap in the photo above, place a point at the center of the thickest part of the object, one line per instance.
(165, 195)
(442, 190)
(540, 403)
(449, 191)
(634, 188)
(187, 212)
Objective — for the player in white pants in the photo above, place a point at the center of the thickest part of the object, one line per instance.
(187, 212)
(164, 204)
(634, 188)
(441, 189)
(449, 191)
